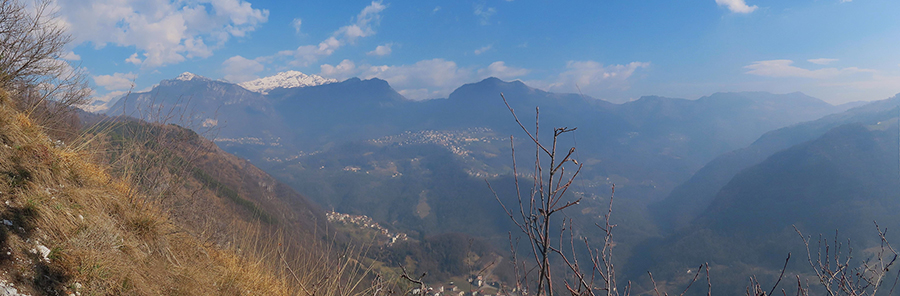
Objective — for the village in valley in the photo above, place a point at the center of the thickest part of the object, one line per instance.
(478, 283)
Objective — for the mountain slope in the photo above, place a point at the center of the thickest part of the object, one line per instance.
(353, 109)
(203, 104)
(843, 180)
(223, 187)
(688, 199)
(70, 227)
(835, 185)
(134, 208)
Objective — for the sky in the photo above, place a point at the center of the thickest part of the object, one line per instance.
(616, 50)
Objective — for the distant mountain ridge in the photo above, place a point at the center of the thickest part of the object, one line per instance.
(654, 142)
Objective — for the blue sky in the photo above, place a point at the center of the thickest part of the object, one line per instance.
(616, 50)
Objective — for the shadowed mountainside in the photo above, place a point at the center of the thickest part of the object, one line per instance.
(841, 181)
(689, 199)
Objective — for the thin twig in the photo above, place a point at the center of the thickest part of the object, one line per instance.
(782, 273)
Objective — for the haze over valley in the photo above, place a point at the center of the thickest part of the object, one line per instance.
(683, 170)
(499, 147)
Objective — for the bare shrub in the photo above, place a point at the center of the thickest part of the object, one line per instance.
(839, 274)
(32, 44)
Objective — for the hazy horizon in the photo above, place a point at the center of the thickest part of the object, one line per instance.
(836, 50)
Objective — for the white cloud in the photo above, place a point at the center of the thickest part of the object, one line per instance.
(296, 23)
(71, 56)
(308, 54)
(500, 70)
(163, 31)
(381, 50)
(822, 61)
(784, 68)
(369, 16)
(484, 14)
(591, 77)
(239, 69)
(134, 59)
(117, 81)
(435, 10)
(483, 49)
(737, 6)
(363, 26)
(344, 70)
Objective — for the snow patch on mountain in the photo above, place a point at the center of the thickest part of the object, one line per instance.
(188, 76)
(287, 79)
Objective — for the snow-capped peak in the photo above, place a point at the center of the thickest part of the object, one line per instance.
(287, 79)
(188, 76)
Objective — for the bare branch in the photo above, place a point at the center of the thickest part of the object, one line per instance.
(522, 126)
(782, 273)
(692, 281)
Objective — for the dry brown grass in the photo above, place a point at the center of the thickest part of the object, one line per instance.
(109, 236)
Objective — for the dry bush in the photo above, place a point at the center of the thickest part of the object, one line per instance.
(313, 267)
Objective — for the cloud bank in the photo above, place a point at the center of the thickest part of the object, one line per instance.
(785, 68)
(163, 31)
(117, 81)
(239, 69)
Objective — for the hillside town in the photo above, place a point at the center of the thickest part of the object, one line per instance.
(387, 238)
(455, 141)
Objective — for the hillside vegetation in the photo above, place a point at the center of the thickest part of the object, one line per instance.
(117, 212)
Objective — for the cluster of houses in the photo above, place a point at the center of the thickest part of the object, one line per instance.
(274, 142)
(453, 140)
(479, 287)
(366, 222)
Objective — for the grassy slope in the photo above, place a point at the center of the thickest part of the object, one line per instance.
(118, 236)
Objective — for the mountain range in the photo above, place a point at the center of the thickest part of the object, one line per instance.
(648, 132)
(726, 169)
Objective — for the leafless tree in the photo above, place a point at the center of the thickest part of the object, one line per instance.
(32, 44)
(535, 216)
(544, 200)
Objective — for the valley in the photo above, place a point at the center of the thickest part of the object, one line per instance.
(423, 174)
(449, 148)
